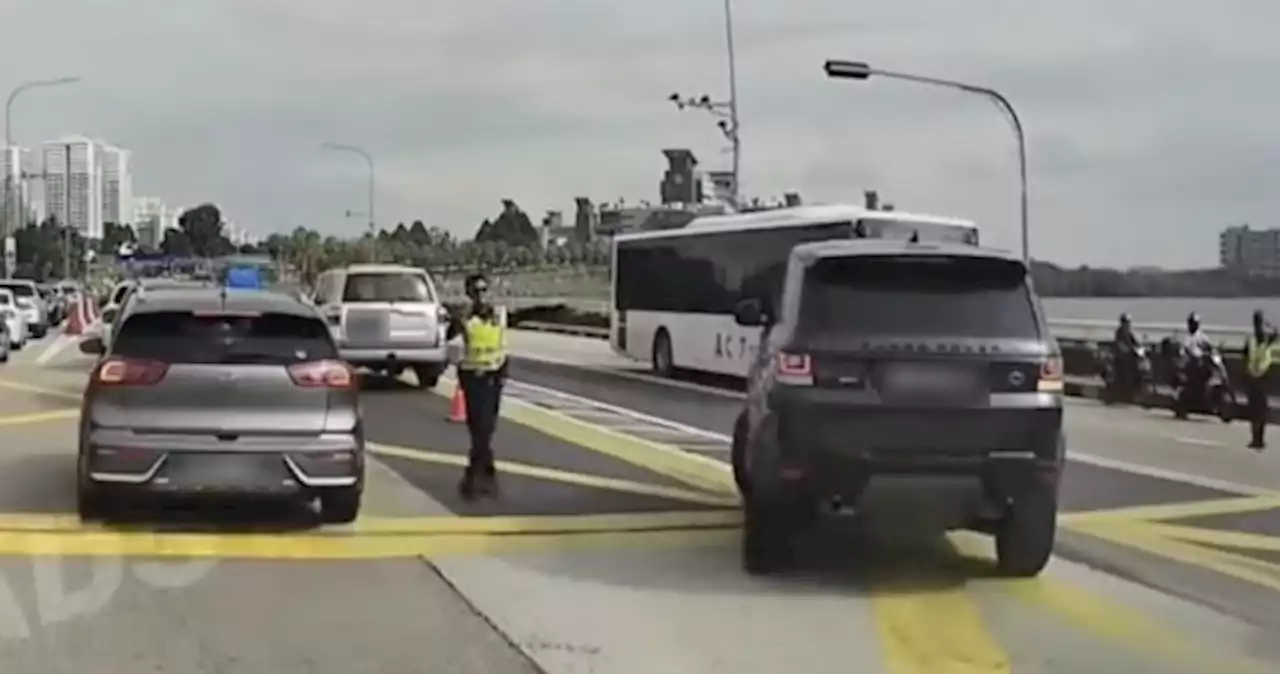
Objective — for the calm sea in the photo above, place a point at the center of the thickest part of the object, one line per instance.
(1222, 312)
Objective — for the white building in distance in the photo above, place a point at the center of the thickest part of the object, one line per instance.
(14, 163)
(73, 182)
(117, 185)
(152, 218)
(1255, 252)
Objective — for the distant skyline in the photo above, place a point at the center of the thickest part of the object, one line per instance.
(1151, 124)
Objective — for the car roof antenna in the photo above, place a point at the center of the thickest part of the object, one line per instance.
(915, 237)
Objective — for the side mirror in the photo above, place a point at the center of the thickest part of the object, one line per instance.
(109, 315)
(749, 313)
(92, 346)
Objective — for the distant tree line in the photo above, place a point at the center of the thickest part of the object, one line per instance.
(1054, 281)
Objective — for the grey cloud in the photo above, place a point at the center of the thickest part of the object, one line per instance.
(1146, 119)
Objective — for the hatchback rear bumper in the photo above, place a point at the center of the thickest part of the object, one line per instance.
(199, 464)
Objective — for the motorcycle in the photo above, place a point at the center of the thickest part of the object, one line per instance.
(1136, 385)
(1203, 387)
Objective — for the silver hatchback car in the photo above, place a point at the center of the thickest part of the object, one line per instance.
(205, 391)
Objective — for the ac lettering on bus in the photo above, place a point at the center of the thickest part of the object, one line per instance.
(732, 347)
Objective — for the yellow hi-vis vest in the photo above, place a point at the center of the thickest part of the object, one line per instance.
(1259, 357)
(486, 344)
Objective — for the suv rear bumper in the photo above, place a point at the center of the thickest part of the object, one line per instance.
(436, 355)
(960, 463)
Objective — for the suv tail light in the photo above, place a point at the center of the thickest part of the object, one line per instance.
(795, 369)
(1050, 380)
(131, 372)
(323, 374)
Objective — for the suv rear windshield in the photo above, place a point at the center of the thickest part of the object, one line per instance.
(918, 296)
(386, 288)
(184, 337)
(20, 289)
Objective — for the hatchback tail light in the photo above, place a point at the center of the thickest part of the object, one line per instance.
(131, 372)
(795, 369)
(323, 374)
(1050, 379)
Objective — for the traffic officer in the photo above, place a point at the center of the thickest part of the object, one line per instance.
(482, 371)
(1259, 356)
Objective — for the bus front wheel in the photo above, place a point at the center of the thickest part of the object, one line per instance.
(663, 363)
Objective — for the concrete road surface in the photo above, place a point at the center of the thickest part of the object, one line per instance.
(614, 549)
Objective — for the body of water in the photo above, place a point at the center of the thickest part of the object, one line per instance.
(1236, 311)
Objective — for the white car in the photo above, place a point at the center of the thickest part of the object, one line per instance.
(15, 320)
(30, 304)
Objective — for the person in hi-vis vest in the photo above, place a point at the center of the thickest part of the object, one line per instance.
(1259, 355)
(482, 371)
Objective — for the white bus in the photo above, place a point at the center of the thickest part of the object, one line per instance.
(673, 291)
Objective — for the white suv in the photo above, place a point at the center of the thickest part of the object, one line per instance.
(31, 304)
(387, 318)
(14, 320)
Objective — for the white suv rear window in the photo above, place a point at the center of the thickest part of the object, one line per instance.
(386, 287)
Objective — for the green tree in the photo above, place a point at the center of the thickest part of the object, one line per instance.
(203, 227)
(177, 244)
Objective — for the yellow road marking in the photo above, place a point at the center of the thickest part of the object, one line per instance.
(269, 546)
(934, 631)
(1180, 510)
(1103, 617)
(567, 477)
(38, 417)
(696, 471)
(431, 525)
(1145, 538)
(1222, 538)
(40, 390)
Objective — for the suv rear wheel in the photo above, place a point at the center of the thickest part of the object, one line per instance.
(738, 455)
(766, 538)
(428, 375)
(1024, 539)
(340, 505)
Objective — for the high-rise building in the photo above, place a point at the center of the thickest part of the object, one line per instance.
(14, 163)
(73, 182)
(1255, 252)
(117, 185)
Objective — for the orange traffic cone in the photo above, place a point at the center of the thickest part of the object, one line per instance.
(458, 406)
(75, 322)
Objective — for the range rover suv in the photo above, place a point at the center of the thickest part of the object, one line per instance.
(914, 387)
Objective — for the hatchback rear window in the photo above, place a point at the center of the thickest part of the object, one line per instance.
(387, 288)
(19, 289)
(919, 296)
(181, 337)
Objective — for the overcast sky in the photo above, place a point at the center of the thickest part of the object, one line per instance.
(1152, 124)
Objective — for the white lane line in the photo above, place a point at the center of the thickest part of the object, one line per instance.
(59, 343)
(657, 421)
(1199, 442)
(634, 375)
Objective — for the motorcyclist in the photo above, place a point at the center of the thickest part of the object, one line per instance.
(1126, 347)
(1196, 348)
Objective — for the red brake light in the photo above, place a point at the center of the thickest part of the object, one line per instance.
(131, 372)
(794, 364)
(323, 374)
(1050, 375)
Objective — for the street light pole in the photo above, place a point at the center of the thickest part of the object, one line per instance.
(368, 158)
(10, 205)
(857, 70)
(726, 111)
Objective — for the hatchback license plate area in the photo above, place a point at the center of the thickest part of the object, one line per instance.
(225, 472)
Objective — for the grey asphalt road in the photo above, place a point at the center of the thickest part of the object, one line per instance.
(427, 583)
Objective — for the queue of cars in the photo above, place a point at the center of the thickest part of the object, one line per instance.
(29, 310)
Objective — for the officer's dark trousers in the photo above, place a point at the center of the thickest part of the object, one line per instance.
(1256, 407)
(483, 392)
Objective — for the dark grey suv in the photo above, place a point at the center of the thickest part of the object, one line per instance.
(913, 386)
(205, 391)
